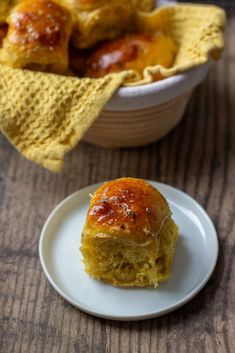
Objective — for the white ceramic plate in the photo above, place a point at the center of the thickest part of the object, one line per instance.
(196, 255)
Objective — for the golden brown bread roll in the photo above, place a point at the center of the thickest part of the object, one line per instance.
(38, 36)
(98, 20)
(131, 52)
(129, 236)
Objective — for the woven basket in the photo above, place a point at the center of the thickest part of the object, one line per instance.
(137, 116)
(138, 127)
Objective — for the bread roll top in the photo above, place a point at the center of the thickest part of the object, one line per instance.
(127, 208)
(38, 24)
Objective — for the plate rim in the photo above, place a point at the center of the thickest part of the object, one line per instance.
(146, 316)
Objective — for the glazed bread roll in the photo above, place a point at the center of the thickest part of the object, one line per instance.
(38, 36)
(131, 52)
(129, 236)
(98, 20)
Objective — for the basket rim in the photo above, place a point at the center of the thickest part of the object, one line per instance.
(152, 94)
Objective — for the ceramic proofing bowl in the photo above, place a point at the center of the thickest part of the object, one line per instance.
(136, 116)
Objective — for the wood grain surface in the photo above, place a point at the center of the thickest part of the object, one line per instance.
(197, 157)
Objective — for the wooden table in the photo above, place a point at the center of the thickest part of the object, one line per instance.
(197, 157)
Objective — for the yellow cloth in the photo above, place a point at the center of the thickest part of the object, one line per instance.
(196, 29)
(44, 115)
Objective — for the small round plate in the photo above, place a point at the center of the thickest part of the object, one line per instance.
(195, 259)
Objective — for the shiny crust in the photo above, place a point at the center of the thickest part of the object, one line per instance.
(127, 208)
(38, 36)
(131, 52)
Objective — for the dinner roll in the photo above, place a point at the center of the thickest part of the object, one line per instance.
(131, 52)
(98, 20)
(38, 36)
(129, 236)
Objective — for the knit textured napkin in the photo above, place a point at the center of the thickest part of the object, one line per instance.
(197, 31)
(45, 115)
